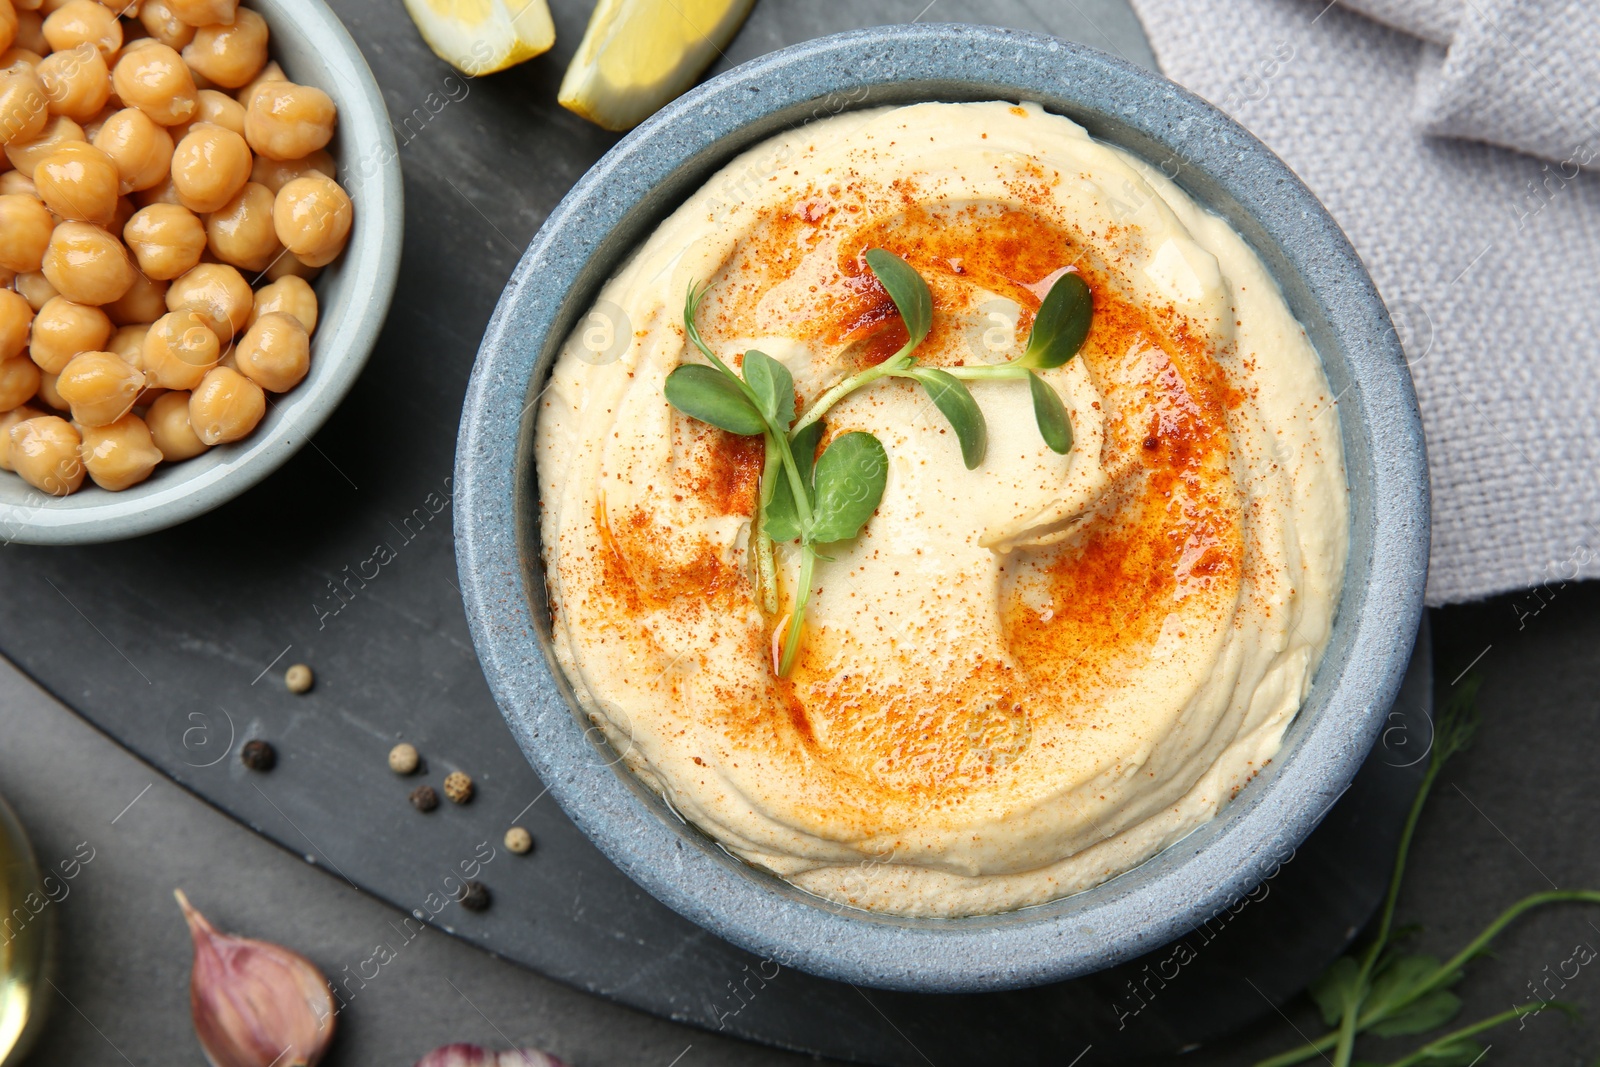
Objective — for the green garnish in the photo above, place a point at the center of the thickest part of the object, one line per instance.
(1389, 993)
(822, 500)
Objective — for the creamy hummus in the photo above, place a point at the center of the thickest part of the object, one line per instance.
(1020, 680)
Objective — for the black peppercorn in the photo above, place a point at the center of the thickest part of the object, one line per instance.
(474, 896)
(258, 756)
(423, 798)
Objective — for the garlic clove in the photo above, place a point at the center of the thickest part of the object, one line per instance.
(255, 1004)
(462, 1054)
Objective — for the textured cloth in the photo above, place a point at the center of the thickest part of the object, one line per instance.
(1489, 259)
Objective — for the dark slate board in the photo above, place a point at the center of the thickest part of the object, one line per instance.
(174, 644)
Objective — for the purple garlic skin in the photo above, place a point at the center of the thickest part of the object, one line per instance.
(255, 1004)
(462, 1054)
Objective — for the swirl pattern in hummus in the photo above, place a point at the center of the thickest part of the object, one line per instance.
(1020, 680)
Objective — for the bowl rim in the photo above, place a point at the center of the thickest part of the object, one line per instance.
(1177, 889)
(368, 272)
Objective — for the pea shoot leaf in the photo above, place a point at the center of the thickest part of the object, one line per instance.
(773, 386)
(1335, 987)
(1427, 1013)
(1061, 325)
(849, 481)
(950, 395)
(907, 289)
(1051, 415)
(1462, 1053)
(707, 394)
(1398, 976)
(781, 521)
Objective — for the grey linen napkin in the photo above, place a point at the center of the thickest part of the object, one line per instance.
(1488, 256)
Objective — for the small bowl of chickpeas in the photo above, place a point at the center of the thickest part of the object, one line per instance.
(200, 220)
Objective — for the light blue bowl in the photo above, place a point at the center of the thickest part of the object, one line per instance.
(353, 294)
(617, 204)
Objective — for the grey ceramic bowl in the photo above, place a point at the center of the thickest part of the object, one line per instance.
(353, 293)
(652, 170)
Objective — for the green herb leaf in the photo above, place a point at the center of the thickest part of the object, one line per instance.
(849, 481)
(1398, 977)
(1051, 415)
(908, 291)
(782, 518)
(707, 394)
(1463, 1053)
(773, 386)
(949, 394)
(1061, 325)
(1336, 987)
(1427, 1013)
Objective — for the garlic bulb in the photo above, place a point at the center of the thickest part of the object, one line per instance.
(255, 1004)
(464, 1055)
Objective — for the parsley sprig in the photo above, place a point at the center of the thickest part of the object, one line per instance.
(1386, 992)
(822, 500)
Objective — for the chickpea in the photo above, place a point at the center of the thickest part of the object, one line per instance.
(218, 293)
(154, 79)
(167, 239)
(230, 56)
(120, 454)
(78, 181)
(209, 166)
(168, 419)
(141, 149)
(25, 226)
(312, 216)
(58, 131)
(289, 265)
(163, 192)
(83, 22)
(18, 58)
(14, 182)
(76, 81)
(242, 233)
(178, 350)
(24, 109)
(44, 451)
(19, 380)
(86, 264)
(291, 296)
(30, 32)
(145, 301)
(9, 419)
(275, 353)
(16, 318)
(35, 288)
(269, 73)
(220, 109)
(205, 12)
(128, 342)
(158, 20)
(62, 329)
(100, 387)
(47, 391)
(24, 5)
(276, 173)
(226, 406)
(8, 25)
(288, 121)
(92, 125)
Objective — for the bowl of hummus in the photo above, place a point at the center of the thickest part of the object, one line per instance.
(942, 508)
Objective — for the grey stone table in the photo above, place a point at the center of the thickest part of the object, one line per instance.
(1513, 815)
(164, 642)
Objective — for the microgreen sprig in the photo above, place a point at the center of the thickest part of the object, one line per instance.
(1389, 993)
(822, 500)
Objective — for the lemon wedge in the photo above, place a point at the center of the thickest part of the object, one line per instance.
(482, 36)
(638, 54)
